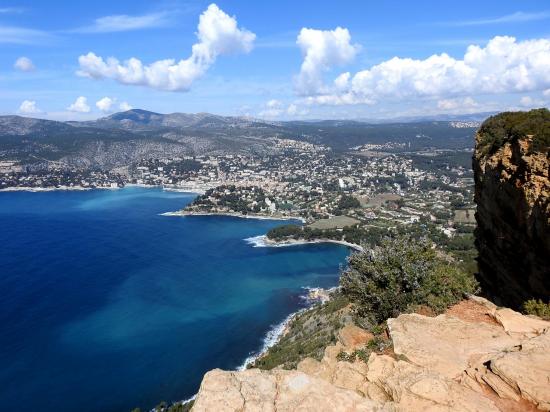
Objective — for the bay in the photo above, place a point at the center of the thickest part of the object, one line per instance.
(105, 305)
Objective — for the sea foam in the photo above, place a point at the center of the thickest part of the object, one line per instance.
(256, 241)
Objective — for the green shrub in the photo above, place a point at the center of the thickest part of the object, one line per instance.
(537, 308)
(401, 274)
(509, 126)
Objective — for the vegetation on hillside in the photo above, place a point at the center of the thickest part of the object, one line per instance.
(400, 275)
(308, 334)
(538, 308)
(509, 126)
(352, 234)
(461, 246)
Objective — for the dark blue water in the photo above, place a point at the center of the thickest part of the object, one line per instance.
(107, 306)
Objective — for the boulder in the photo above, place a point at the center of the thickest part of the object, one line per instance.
(514, 323)
(446, 344)
(353, 337)
(527, 371)
(277, 390)
(413, 388)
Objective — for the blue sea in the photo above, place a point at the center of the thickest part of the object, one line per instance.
(106, 306)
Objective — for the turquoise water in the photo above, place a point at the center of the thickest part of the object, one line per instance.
(105, 305)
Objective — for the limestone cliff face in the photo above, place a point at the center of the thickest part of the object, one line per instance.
(513, 217)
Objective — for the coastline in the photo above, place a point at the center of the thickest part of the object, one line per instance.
(184, 189)
(231, 214)
(263, 241)
(274, 335)
(271, 338)
(279, 330)
(52, 188)
(193, 190)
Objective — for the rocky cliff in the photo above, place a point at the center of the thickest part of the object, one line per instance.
(511, 167)
(502, 365)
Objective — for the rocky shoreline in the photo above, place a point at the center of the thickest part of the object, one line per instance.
(51, 189)
(264, 241)
(232, 214)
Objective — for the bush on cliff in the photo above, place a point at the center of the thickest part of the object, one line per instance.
(401, 274)
(509, 126)
(537, 308)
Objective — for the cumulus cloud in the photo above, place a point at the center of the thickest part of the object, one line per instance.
(274, 104)
(29, 107)
(528, 101)
(125, 106)
(218, 34)
(105, 104)
(80, 105)
(322, 49)
(24, 64)
(292, 109)
(123, 22)
(504, 65)
(275, 108)
(452, 104)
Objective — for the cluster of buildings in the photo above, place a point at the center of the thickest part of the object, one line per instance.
(63, 179)
(297, 179)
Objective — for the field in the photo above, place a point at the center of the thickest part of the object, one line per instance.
(336, 222)
(465, 216)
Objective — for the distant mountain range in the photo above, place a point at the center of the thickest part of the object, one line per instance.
(125, 137)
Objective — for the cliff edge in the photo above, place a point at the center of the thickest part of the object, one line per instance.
(502, 365)
(512, 191)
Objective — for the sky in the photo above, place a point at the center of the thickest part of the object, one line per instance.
(276, 60)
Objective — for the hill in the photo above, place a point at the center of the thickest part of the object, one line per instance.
(126, 137)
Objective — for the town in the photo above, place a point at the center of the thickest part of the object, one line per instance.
(371, 188)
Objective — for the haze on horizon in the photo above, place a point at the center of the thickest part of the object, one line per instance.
(277, 61)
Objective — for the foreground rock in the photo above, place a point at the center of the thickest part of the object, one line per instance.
(276, 390)
(481, 358)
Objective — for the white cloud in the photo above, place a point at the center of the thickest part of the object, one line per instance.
(123, 22)
(218, 34)
(546, 93)
(274, 104)
(275, 108)
(504, 65)
(105, 104)
(270, 113)
(80, 105)
(518, 17)
(292, 109)
(528, 101)
(29, 107)
(453, 104)
(322, 49)
(124, 106)
(24, 64)
(22, 35)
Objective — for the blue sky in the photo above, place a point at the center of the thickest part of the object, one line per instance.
(276, 60)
